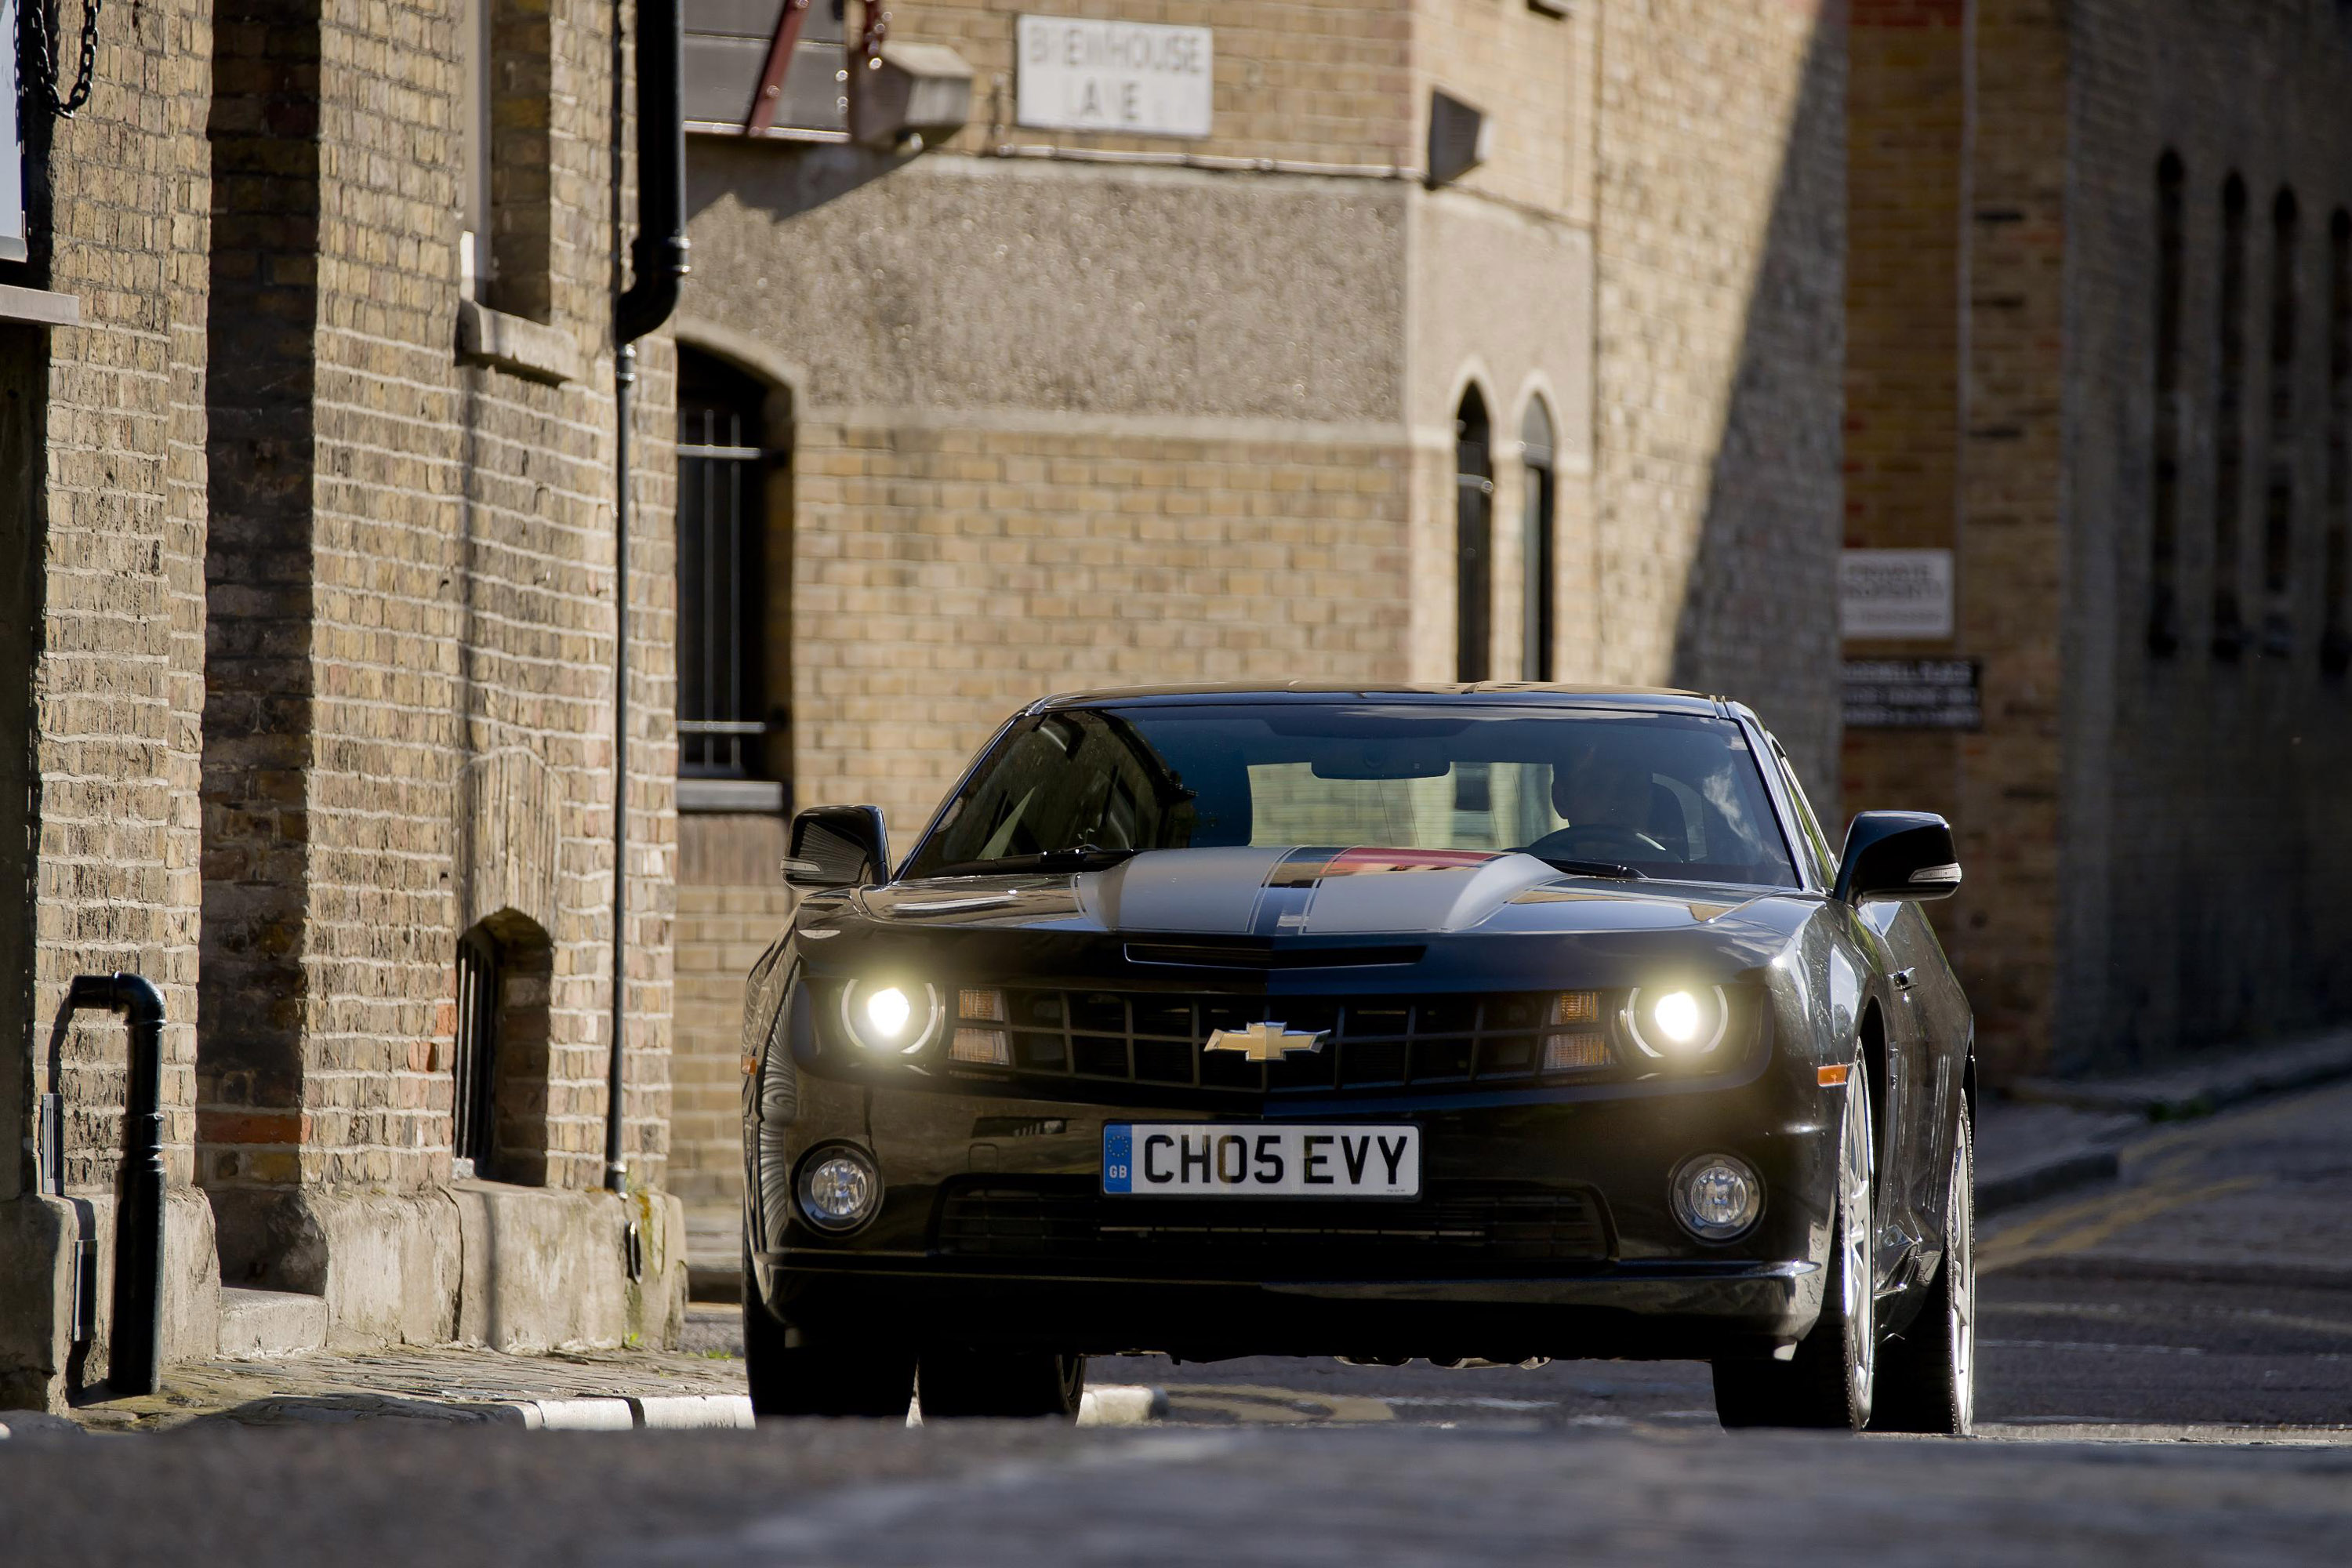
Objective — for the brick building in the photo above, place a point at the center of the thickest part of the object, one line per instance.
(2134, 429)
(1434, 339)
(306, 431)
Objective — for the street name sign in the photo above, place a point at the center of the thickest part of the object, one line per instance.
(1135, 78)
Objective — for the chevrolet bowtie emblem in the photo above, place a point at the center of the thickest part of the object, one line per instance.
(1266, 1042)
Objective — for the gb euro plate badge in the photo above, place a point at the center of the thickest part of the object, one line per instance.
(1250, 1160)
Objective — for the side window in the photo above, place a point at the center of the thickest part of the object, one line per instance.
(1817, 845)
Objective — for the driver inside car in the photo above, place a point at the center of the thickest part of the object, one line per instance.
(1607, 799)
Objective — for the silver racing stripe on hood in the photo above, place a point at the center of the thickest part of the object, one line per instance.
(1307, 892)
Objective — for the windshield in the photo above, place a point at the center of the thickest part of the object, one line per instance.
(1605, 792)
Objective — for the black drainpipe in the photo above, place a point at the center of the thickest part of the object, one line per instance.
(137, 1364)
(657, 256)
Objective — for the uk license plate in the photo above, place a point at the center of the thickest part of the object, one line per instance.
(1195, 1159)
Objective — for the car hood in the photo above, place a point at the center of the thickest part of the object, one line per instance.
(1277, 892)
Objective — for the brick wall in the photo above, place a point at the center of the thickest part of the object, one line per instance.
(947, 577)
(413, 637)
(101, 446)
(731, 902)
(2203, 805)
(1719, 244)
(121, 532)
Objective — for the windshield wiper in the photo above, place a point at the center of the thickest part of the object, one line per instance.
(1595, 869)
(1076, 857)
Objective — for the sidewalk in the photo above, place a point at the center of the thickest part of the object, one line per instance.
(2048, 1135)
(577, 1390)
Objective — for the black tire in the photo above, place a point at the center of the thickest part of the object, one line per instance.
(1927, 1376)
(1828, 1383)
(832, 1377)
(957, 1382)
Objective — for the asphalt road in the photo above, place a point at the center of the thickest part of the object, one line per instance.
(2168, 1379)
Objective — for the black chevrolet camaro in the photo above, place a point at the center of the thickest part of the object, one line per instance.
(1476, 1024)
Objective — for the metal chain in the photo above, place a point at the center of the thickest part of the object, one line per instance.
(37, 21)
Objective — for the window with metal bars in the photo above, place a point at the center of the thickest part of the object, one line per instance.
(2164, 523)
(722, 467)
(1473, 506)
(2230, 425)
(2278, 487)
(498, 1132)
(471, 1139)
(2336, 565)
(1541, 502)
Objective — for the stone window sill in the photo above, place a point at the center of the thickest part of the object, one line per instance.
(765, 797)
(513, 344)
(38, 307)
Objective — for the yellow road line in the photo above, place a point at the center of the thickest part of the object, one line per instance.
(2098, 1220)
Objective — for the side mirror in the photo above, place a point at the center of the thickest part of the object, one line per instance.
(1898, 855)
(838, 846)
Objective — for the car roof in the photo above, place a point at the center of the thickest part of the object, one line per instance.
(1629, 699)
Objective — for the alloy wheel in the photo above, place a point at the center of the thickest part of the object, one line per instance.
(1858, 1238)
(1960, 1259)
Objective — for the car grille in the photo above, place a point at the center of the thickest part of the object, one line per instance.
(1386, 1042)
(1071, 1222)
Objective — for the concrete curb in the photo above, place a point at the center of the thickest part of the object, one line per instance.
(2202, 1090)
(2062, 1172)
(1122, 1404)
(659, 1413)
(2161, 1098)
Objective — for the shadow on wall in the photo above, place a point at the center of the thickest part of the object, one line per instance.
(785, 187)
(1759, 617)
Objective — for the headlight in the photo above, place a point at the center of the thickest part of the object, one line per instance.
(1678, 1021)
(839, 1188)
(1717, 1196)
(892, 1018)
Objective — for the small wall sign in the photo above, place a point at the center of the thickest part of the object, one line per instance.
(12, 143)
(1135, 78)
(1914, 694)
(1895, 593)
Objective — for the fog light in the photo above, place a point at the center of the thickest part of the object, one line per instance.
(1717, 1196)
(839, 1188)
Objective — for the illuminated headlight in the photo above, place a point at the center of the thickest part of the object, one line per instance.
(892, 1018)
(839, 1188)
(1678, 1021)
(1717, 1196)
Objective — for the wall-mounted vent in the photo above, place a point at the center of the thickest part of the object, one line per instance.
(1460, 138)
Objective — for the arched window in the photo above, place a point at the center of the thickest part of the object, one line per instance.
(2230, 425)
(2278, 486)
(1474, 505)
(2336, 638)
(1541, 502)
(2163, 522)
(505, 965)
(722, 464)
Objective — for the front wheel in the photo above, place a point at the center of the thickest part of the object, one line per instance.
(836, 1377)
(1828, 1383)
(1928, 1379)
(957, 1382)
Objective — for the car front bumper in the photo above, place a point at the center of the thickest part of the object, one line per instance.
(1623, 1281)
